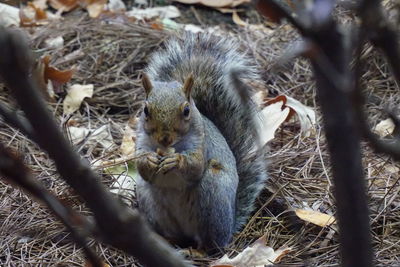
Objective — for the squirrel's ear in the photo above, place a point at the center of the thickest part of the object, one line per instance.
(146, 83)
(187, 86)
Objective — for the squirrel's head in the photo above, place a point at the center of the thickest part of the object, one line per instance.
(167, 110)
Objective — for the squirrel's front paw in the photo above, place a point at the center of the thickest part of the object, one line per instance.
(148, 166)
(152, 161)
(170, 162)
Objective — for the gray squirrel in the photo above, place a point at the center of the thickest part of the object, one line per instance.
(199, 165)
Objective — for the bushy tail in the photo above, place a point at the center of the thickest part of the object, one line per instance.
(218, 68)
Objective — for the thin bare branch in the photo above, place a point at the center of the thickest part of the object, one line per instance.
(388, 146)
(381, 33)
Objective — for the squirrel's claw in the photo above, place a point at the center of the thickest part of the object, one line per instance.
(153, 161)
(170, 162)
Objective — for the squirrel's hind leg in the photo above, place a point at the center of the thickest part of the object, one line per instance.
(217, 209)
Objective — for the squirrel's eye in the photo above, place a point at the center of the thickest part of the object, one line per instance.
(186, 111)
(146, 111)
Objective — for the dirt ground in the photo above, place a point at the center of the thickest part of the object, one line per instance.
(110, 54)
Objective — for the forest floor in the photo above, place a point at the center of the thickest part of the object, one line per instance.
(110, 52)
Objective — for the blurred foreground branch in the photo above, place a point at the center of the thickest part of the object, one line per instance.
(330, 55)
(13, 169)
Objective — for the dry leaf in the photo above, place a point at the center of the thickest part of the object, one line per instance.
(237, 20)
(165, 12)
(128, 141)
(116, 5)
(9, 15)
(101, 135)
(282, 98)
(256, 255)
(315, 217)
(40, 14)
(95, 7)
(42, 4)
(213, 3)
(58, 77)
(192, 28)
(77, 134)
(269, 120)
(56, 42)
(64, 5)
(305, 114)
(384, 128)
(75, 95)
(31, 15)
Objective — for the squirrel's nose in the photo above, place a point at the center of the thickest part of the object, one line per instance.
(165, 140)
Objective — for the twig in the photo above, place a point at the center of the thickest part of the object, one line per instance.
(380, 32)
(391, 146)
(120, 226)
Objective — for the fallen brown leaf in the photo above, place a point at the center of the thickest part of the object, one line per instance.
(58, 77)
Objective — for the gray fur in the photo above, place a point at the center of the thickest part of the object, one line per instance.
(212, 207)
(183, 209)
(211, 59)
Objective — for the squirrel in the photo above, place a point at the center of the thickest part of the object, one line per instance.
(199, 166)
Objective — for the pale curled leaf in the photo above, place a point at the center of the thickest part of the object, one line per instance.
(269, 120)
(384, 128)
(305, 114)
(95, 7)
(315, 217)
(238, 20)
(75, 95)
(256, 255)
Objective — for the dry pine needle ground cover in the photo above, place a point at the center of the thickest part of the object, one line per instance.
(111, 56)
